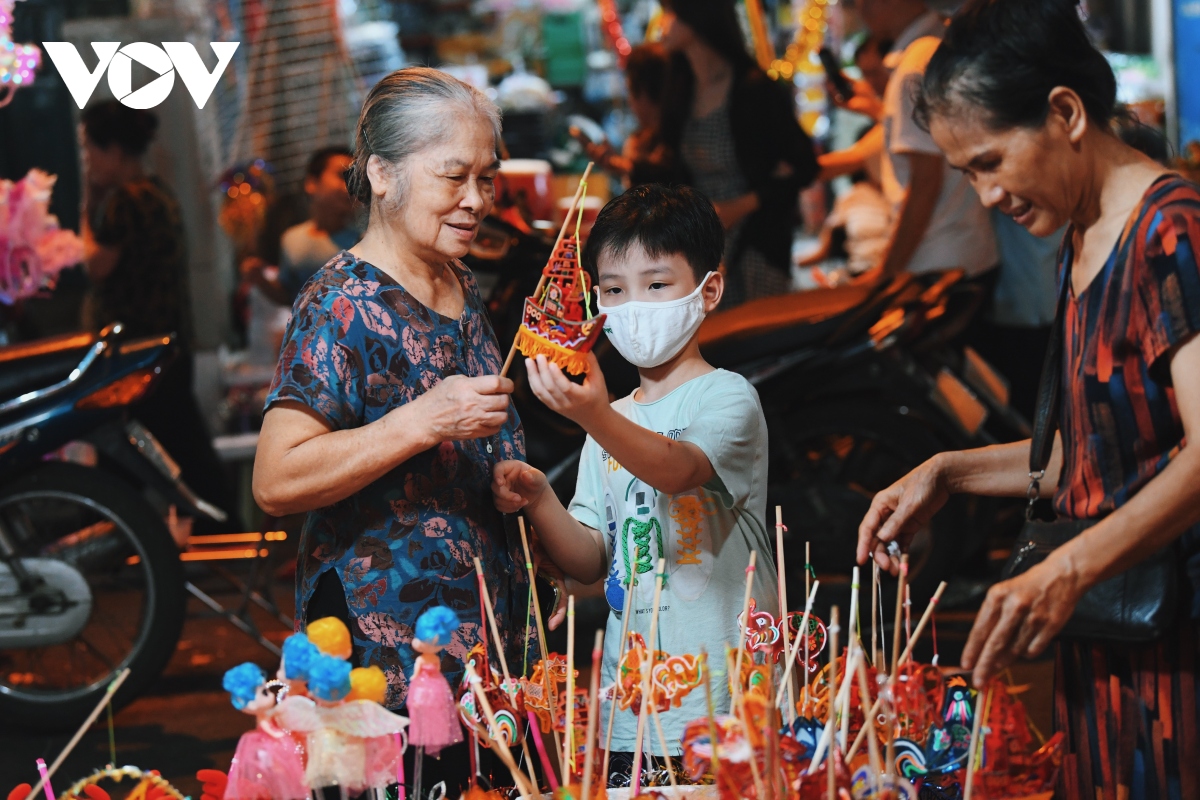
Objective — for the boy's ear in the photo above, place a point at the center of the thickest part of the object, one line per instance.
(713, 291)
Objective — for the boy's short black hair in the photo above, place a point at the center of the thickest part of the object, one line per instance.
(662, 220)
(108, 122)
(319, 160)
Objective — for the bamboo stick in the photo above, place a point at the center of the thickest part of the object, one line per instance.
(864, 691)
(744, 621)
(903, 657)
(589, 757)
(647, 668)
(977, 724)
(502, 750)
(851, 642)
(568, 765)
(491, 620)
(87, 723)
(803, 638)
(784, 619)
(612, 709)
(890, 762)
(562, 232)
(712, 718)
(662, 742)
(547, 684)
(831, 781)
(874, 617)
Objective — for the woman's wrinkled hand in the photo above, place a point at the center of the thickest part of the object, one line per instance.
(899, 511)
(461, 408)
(516, 485)
(576, 402)
(1021, 616)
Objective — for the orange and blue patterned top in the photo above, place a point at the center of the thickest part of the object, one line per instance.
(358, 346)
(1119, 419)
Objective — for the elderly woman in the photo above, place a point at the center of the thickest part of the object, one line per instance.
(1019, 100)
(386, 413)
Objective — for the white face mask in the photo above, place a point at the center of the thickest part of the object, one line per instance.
(650, 334)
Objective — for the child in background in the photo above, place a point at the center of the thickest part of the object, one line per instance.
(644, 158)
(676, 470)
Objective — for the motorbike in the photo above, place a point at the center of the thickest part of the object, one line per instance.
(91, 581)
(859, 385)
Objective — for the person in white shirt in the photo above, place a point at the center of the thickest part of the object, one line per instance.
(938, 223)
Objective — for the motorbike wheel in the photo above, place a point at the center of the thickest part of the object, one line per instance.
(826, 466)
(106, 532)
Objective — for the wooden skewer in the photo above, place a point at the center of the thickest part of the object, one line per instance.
(612, 709)
(829, 738)
(803, 638)
(783, 607)
(890, 763)
(501, 748)
(874, 612)
(903, 657)
(864, 692)
(831, 783)
(972, 759)
(851, 642)
(589, 758)
(547, 684)
(562, 232)
(647, 668)
(712, 718)
(87, 723)
(491, 618)
(662, 742)
(569, 753)
(744, 621)
(807, 580)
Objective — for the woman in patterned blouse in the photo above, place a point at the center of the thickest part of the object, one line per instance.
(1019, 100)
(387, 412)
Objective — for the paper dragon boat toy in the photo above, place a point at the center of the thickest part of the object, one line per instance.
(557, 321)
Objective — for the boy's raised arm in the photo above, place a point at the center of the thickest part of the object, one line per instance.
(574, 547)
(669, 466)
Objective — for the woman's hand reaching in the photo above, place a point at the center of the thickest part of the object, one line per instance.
(899, 511)
(461, 408)
(1021, 616)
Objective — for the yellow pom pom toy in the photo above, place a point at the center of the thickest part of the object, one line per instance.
(368, 683)
(331, 636)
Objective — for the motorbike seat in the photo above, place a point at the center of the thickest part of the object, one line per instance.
(779, 324)
(29, 366)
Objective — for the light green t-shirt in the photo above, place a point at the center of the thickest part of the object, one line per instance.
(705, 535)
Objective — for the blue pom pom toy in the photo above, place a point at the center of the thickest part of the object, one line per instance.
(298, 654)
(242, 683)
(436, 625)
(329, 678)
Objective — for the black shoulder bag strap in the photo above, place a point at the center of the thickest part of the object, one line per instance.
(1045, 421)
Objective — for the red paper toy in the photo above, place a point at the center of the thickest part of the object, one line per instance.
(557, 322)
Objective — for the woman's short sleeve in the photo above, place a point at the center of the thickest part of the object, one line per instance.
(320, 364)
(1168, 290)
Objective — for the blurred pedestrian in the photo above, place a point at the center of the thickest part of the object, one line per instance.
(136, 262)
(306, 247)
(739, 142)
(938, 223)
(644, 158)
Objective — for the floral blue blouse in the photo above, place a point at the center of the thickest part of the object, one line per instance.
(359, 345)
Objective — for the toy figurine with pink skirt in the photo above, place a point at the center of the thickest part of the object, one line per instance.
(269, 763)
(433, 716)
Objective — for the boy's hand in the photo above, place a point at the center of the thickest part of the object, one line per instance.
(515, 485)
(576, 402)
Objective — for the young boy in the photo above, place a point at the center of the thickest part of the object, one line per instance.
(677, 470)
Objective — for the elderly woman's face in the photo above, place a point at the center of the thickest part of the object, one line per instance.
(451, 188)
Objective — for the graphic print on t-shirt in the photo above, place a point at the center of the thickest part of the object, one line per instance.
(690, 562)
